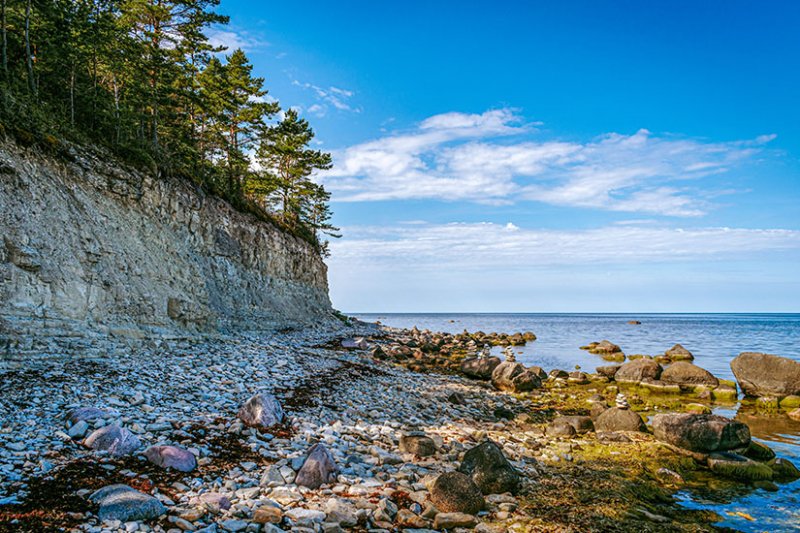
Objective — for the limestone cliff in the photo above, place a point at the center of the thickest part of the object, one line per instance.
(91, 251)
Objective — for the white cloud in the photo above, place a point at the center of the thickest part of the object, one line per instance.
(483, 158)
(233, 38)
(336, 97)
(490, 247)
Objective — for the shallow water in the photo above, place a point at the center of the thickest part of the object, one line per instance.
(714, 339)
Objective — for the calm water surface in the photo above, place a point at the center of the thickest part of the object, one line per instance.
(714, 339)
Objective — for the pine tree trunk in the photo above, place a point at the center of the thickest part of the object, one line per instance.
(116, 110)
(5, 40)
(72, 95)
(29, 62)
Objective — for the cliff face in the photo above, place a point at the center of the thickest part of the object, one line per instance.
(90, 251)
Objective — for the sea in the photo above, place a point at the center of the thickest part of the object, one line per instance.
(714, 340)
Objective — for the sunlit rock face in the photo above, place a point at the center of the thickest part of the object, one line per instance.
(91, 251)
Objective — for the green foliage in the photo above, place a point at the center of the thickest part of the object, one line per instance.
(284, 182)
(141, 79)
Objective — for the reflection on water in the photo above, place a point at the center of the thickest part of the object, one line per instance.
(714, 339)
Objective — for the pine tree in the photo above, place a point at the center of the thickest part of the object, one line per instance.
(284, 182)
(141, 78)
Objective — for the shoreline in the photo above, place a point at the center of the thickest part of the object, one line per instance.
(360, 408)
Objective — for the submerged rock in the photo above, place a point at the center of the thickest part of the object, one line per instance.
(454, 492)
(123, 503)
(761, 374)
(489, 469)
(261, 410)
(701, 432)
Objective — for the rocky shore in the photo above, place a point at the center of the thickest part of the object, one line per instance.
(362, 429)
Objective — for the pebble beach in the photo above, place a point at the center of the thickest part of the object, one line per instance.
(387, 445)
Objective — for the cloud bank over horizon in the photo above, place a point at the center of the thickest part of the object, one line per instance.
(662, 187)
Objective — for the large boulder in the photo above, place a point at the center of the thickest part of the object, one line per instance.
(514, 377)
(319, 468)
(761, 374)
(261, 410)
(480, 367)
(679, 353)
(123, 503)
(617, 419)
(489, 469)
(171, 457)
(687, 374)
(454, 492)
(701, 432)
(115, 440)
(637, 371)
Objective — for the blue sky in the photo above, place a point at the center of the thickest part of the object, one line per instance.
(561, 156)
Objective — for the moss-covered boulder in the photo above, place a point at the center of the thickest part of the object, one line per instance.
(759, 452)
(738, 467)
(784, 470)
